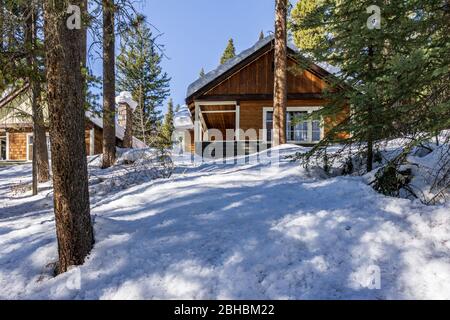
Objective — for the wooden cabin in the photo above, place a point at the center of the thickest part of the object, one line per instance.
(234, 103)
(16, 131)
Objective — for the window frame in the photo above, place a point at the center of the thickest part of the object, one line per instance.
(47, 142)
(307, 109)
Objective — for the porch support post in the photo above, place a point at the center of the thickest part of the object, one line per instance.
(92, 142)
(197, 129)
(238, 124)
(7, 145)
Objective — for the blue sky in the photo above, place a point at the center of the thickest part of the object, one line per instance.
(196, 32)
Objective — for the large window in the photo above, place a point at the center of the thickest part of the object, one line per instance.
(299, 129)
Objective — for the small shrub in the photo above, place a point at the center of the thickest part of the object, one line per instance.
(348, 167)
(389, 180)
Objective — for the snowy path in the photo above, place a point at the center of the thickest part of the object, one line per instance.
(232, 231)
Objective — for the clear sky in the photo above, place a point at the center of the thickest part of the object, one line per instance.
(196, 32)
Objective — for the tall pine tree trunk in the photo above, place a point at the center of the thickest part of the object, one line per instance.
(67, 127)
(280, 80)
(109, 82)
(40, 153)
(370, 121)
(2, 23)
(141, 110)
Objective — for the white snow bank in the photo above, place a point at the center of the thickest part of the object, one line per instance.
(227, 231)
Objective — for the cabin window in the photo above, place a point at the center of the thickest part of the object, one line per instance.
(316, 130)
(297, 129)
(269, 125)
(3, 146)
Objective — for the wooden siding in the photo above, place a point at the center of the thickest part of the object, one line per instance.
(257, 78)
(221, 122)
(18, 145)
(218, 108)
(87, 140)
(98, 141)
(331, 122)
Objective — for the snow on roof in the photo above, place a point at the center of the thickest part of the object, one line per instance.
(210, 76)
(120, 131)
(182, 119)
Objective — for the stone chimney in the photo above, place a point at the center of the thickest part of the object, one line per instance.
(125, 108)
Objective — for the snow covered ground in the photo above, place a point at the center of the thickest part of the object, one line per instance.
(231, 231)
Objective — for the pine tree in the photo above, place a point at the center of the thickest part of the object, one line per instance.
(280, 81)
(306, 38)
(168, 127)
(109, 84)
(229, 53)
(177, 108)
(21, 61)
(393, 77)
(67, 129)
(35, 78)
(2, 30)
(202, 73)
(140, 72)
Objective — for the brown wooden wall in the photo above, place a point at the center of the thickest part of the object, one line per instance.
(257, 78)
(87, 140)
(98, 147)
(18, 145)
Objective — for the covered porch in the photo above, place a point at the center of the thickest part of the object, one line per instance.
(217, 131)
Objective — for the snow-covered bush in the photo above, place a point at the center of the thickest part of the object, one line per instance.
(407, 168)
(133, 167)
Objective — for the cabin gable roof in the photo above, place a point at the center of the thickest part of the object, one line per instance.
(244, 61)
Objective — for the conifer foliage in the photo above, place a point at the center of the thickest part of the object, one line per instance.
(229, 53)
(394, 69)
(168, 126)
(140, 72)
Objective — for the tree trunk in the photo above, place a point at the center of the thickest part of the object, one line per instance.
(2, 18)
(109, 89)
(67, 127)
(280, 80)
(370, 121)
(141, 106)
(40, 153)
(42, 163)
